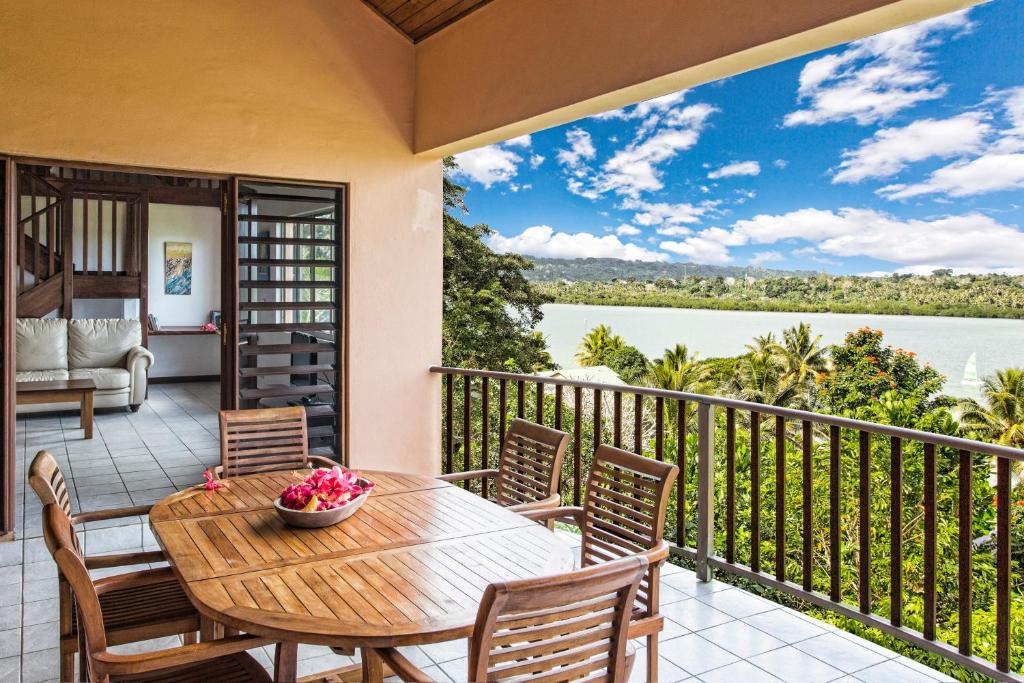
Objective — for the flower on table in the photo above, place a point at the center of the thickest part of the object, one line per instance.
(211, 483)
(325, 489)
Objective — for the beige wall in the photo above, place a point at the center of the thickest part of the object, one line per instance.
(308, 89)
(516, 66)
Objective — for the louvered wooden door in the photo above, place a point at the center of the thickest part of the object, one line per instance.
(286, 331)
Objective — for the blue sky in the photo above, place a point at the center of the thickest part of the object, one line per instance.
(901, 152)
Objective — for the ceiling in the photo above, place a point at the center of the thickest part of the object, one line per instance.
(418, 19)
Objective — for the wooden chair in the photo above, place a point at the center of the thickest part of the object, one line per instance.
(528, 470)
(215, 660)
(132, 613)
(623, 514)
(552, 628)
(265, 440)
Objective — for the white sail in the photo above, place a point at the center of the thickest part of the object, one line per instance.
(971, 371)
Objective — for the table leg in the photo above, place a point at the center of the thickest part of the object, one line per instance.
(86, 413)
(286, 657)
(373, 666)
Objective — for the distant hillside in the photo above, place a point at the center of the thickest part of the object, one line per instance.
(605, 269)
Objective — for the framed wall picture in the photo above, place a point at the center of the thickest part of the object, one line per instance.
(178, 268)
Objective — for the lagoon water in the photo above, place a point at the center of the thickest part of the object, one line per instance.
(945, 343)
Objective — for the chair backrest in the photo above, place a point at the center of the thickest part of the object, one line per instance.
(530, 464)
(557, 628)
(63, 545)
(263, 440)
(46, 479)
(624, 512)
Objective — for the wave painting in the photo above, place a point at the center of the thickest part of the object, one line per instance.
(177, 268)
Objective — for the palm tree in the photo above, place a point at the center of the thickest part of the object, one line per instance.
(678, 370)
(1001, 418)
(761, 375)
(595, 343)
(803, 354)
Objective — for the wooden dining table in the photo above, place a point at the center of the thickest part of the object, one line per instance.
(408, 568)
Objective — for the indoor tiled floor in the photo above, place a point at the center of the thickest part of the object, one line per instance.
(713, 632)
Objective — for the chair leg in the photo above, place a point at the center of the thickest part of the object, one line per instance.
(286, 662)
(652, 658)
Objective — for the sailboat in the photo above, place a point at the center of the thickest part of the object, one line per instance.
(971, 372)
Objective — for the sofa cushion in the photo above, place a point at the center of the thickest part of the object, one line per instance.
(41, 375)
(41, 344)
(101, 342)
(104, 378)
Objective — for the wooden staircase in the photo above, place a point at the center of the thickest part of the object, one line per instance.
(41, 280)
(64, 219)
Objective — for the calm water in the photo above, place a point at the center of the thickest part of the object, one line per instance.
(946, 343)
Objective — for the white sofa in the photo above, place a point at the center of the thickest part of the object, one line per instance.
(108, 351)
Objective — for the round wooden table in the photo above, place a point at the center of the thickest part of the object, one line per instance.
(409, 568)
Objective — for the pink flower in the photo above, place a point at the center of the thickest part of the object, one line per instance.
(296, 496)
(333, 488)
(211, 483)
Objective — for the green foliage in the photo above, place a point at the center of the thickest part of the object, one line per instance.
(863, 369)
(627, 361)
(490, 310)
(978, 296)
(595, 343)
(1001, 418)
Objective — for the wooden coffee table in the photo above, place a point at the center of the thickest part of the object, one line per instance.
(61, 391)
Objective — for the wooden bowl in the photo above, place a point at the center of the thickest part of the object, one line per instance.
(321, 518)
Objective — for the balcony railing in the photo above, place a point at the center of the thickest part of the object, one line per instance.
(731, 512)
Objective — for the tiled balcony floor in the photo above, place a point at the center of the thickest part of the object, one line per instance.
(714, 632)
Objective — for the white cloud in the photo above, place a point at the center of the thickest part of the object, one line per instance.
(889, 150)
(763, 257)
(999, 167)
(664, 213)
(542, 240)
(488, 165)
(873, 78)
(581, 149)
(973, 240)
(987, 173)
(635, 168)
(536, 160)
(521, 141)
(674, 231)
(708, 246)
(736, 168)
(627, 230)
(780, 164)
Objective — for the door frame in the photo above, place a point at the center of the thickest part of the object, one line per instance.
(8, 302)
(229, 299)
(8, 298)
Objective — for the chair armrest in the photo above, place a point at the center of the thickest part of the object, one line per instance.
(401, 666)
(108, 663)
(320, 461)
(657, 555)
(123, 559)
(549, 503)
(574, 515)
(143, 577)
(113, 513)
(469, 474)
(139, 354)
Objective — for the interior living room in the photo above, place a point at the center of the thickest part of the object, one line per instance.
(121, 281)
